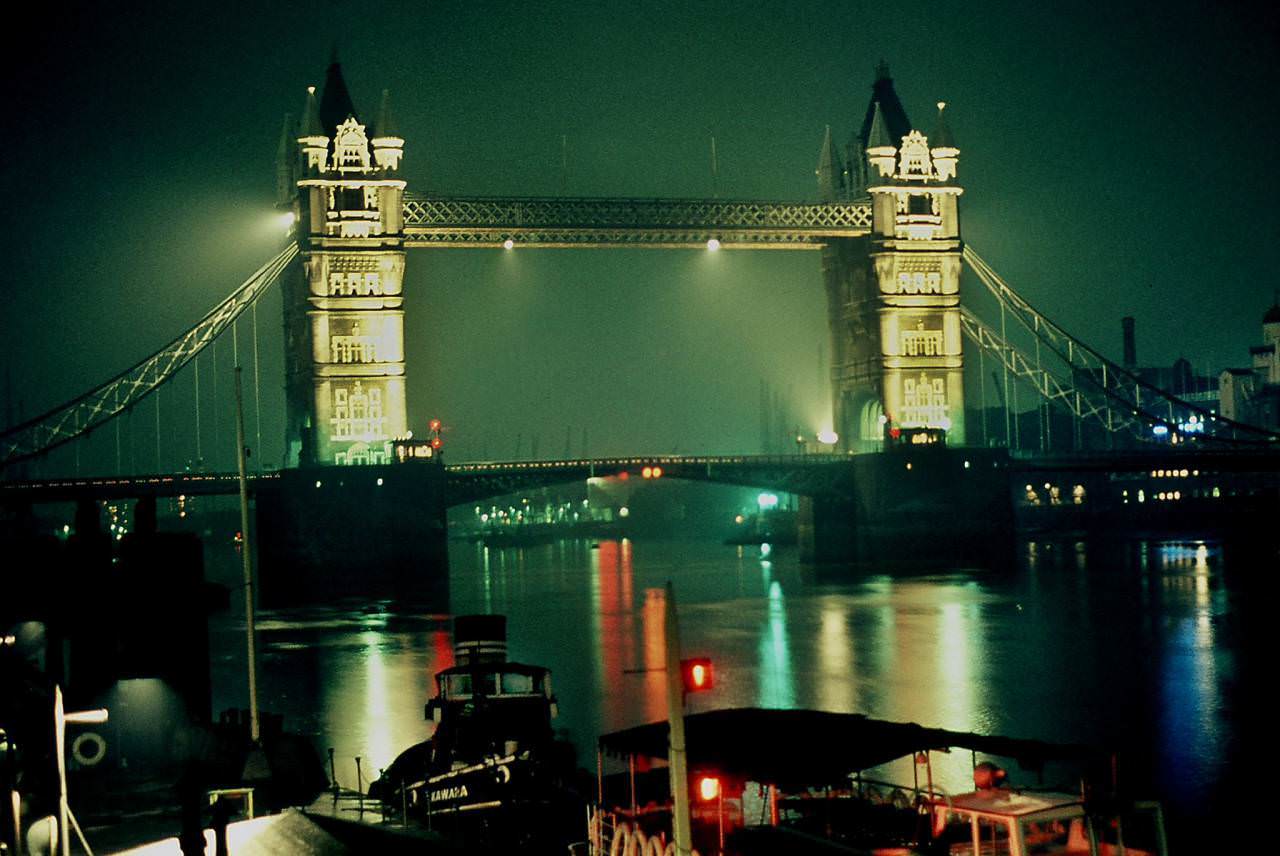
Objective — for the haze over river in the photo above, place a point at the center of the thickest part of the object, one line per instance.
(1140, 645)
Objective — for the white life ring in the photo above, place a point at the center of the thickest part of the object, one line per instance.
(88, 749)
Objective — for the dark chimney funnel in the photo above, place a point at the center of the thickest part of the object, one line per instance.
(479, 639)
(1130, 344)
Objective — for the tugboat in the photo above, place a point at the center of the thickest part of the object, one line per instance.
(493, 773)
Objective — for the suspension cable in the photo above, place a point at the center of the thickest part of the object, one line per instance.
(257, 394)
(1114, 382)
(102, 403)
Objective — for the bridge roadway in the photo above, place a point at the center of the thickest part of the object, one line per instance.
(810, 474)
(466, 482)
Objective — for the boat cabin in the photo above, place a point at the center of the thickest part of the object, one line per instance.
(764, 781)
(486, 704)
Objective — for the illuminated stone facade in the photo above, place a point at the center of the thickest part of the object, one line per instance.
(344, 317)
(894, 296)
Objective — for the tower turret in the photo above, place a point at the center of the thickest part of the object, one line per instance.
(312, 139)
(880, 149)
(944, 149)
(388, 145)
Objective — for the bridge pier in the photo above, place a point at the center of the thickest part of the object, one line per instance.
(932, 504)
(370, 531)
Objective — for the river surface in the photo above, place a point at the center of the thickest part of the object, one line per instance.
(1141, 645)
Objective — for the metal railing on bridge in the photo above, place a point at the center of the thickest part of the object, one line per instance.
(490, 221)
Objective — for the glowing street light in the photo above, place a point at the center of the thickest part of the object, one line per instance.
(713, 244)
(508, 244)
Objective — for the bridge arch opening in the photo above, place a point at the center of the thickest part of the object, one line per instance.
(862, 426)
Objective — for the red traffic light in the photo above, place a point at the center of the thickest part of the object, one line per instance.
(436, 442)
(708, 788)
(434, 424)
(697, 674)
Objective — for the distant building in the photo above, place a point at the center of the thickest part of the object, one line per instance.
(1197, 393)
(1252, 395)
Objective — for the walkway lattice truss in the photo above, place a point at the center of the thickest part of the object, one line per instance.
(481, 221)
(1097, 389)
(100, 404)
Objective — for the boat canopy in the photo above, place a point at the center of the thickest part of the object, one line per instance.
(810, 747)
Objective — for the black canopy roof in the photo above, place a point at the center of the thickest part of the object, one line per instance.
(815, 747)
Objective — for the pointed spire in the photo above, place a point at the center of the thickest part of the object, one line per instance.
(310, 125)
(284, 150)
(388, 146)
(879, 150)
(893, 115)
(386, 126)
(830, 175)
(941, 137)
(286, 160)
(943, 147)
(335, 103)
(878, 135)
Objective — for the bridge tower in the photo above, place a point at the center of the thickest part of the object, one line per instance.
(893, 296)
(343, 315)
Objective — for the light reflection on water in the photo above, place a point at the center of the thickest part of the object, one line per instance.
(1079, 643)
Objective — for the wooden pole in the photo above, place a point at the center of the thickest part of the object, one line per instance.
(676, 756)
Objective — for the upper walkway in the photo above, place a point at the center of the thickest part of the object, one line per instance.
(490, 221)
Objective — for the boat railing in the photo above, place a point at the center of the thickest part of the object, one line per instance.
(613, 830)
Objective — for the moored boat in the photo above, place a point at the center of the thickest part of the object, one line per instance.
(805, 781)
(493, 773)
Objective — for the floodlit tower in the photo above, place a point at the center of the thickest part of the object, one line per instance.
(344, 321)
(916, 254)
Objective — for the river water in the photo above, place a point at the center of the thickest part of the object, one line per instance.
(1139, 645)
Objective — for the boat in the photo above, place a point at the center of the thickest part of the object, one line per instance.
(806, 781)
(493, 774)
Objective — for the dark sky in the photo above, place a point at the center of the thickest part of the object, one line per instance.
(1116, 162)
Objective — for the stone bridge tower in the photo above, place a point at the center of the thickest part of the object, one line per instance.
(343, 315)
(893, 296)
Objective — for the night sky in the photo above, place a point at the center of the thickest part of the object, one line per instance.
(1115, 162)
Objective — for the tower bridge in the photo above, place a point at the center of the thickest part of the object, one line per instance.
(886, 224)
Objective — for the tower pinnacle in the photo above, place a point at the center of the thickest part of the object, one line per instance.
(830, 175)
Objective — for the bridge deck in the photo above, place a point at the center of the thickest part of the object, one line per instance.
(812, 473)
